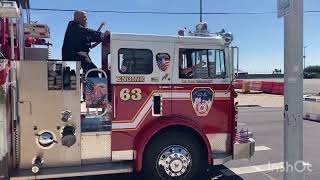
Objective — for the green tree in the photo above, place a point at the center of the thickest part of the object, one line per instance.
(312, 69)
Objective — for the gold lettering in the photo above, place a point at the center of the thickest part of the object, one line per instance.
(134, 79)
(130, 78)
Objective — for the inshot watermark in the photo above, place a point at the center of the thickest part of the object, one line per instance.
(299, 166)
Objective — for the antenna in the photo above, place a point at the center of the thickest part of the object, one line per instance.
(200, 10)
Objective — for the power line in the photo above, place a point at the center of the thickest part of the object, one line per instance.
(165, 12)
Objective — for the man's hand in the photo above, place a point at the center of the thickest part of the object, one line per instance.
(106, 34)
(101, 26)
(201, 64)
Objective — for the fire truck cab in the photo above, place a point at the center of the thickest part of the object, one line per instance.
(163, 105)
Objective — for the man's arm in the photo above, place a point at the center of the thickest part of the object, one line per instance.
(97, 43)
(190, 69)
(93, 35)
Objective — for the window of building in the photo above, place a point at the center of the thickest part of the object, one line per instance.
(201, 63)
(135, 61)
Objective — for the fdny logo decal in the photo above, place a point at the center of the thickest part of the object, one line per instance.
(202, 100)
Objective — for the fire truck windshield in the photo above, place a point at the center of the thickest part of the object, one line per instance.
(202, 63)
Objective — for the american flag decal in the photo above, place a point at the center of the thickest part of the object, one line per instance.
(96, 93)
(163, 61)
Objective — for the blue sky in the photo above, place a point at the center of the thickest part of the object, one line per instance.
(260, 37)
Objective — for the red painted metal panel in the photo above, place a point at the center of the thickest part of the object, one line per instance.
(150, 129)
(217, 119)
(176, 111)
(126, 111)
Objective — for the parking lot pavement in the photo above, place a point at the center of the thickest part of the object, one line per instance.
(267, 126)
(260, 100)
(267, 163)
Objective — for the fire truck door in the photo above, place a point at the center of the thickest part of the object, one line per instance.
(141, 78)
(200, 83)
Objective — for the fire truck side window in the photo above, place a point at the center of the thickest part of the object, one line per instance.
(201, 63)
(135, 61)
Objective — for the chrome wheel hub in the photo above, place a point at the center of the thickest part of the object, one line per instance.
(174, 161)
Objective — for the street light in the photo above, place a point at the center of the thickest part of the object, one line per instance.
(304, 57)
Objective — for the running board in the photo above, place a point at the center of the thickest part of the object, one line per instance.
(86, 170)
(221, 158)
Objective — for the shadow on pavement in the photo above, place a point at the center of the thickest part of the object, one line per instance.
(213, 173)
(221, 173)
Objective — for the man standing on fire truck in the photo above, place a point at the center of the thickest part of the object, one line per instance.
(77, 42)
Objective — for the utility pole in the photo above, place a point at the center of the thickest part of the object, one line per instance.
(200, 10)
(304, 57)
(293, 78)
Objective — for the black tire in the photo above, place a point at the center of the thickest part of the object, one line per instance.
(169, 140)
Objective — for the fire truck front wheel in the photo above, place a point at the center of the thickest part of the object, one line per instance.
(174, 155)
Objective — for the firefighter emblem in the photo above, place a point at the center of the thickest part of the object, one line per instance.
(163, 61)
(202, 100)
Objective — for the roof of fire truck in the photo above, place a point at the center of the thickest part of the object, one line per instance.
(212, 39)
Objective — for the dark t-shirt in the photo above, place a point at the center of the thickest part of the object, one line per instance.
(78, 39)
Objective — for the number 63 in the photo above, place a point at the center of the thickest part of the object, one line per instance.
(134, 94)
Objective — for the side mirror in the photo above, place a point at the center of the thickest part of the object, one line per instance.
(235, 53)
(232, 52)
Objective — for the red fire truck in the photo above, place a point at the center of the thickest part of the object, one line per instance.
(163, 105)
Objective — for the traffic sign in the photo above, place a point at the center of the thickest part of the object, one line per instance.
(284, 7)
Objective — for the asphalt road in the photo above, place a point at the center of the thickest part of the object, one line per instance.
(267, 126)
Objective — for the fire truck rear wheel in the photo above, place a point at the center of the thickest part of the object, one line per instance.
(174, 155)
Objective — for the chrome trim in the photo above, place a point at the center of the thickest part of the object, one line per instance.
(122, 155)
(101, 141)
(174, 161)
(244, 150)
(74, 171)
(96, 133)
(220, 142)
(3, 126)
(164, 87)
(11, 37)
